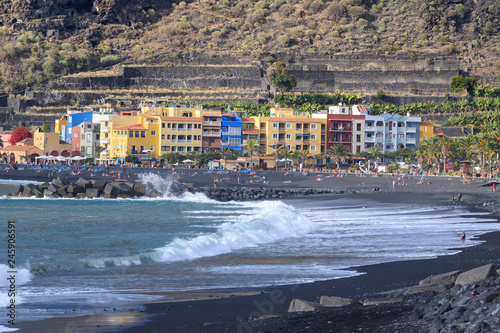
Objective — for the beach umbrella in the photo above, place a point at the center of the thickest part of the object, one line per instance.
(77, 158)
(187, 161)
(61, 158)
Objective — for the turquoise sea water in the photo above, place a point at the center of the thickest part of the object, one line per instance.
(92, 255)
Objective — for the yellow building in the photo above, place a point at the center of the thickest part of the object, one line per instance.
(141, 139)
(428, 130)
(109, 123)
(294, 130)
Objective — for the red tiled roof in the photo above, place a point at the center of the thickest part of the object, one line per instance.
(31, 149)
(247, 120)
(250, 130)
(27, 141)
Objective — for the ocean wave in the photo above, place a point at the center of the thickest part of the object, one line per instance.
(22, 276)
(270, 221)
(19, 182)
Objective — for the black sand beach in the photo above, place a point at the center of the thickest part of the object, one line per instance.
(231, 311)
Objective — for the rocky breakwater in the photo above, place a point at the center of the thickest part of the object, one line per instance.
(457, 301)
(263, 193)
(89, 189)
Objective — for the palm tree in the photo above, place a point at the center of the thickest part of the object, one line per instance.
(373, 153)
(304, 156)
(446, 146)
(251, 146)
(467, 145)
(278, 147)
(337, 152)
(286, 153)
(225, 153)
(433, 148)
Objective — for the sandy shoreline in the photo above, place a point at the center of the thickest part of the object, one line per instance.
(223, 311)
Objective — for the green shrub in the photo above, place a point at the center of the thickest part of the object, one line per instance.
(109, 60)
(262, 37)
(380, 94)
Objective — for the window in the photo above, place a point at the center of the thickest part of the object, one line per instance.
(163, 136)
(143, 148)
(143, 134)
(199, 137)
(164, 148)
(153, 132)
(152, 148)
(335, 126)
(136, 134)
(234, 141)
(168, 125)
(168, 136)
(75, 135)
(313, 136)
(314, 126)
(131, 134)
(89, 137)
(276, 125)
(289, 147)
(358, 127)
(133, 148)
(288, 136)
(288, 125)
(424, 128)
(275, 135)
(348, 136)
(358, 138)
(313, 148)
(89, 150)
(97, 137)
(358, 149)
(162, 125)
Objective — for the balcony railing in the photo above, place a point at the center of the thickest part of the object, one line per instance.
(211, 123)
(340, 129)
(213, 134)
(133, 152)
(210, 145)
(104, 140)
(411, 141)
(411, 130)
(104, 129)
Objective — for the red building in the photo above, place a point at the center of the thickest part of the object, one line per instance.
(76, 140)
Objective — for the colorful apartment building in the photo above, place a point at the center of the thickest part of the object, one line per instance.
(391, 132)
(90, 135)
(141, 139)
(231, 131)
(51, 144)
(294, 130)
(346, 126)
(211, 138)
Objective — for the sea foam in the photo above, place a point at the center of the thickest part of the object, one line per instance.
(266, 222)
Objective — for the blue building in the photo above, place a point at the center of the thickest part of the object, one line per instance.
(74, 119)
(231, 131)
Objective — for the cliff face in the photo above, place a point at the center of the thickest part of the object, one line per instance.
(103, 11)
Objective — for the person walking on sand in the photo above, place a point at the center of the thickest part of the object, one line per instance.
(463, 237)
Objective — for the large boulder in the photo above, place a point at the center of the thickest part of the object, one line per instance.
(428, 287)
(476, 275)
(111, 190)
(84, 183)
(59, 181)
(73, 188)
(123, 187)
(335, 302)
(376, 301)
(53, 188)
(62, 190)
(99, 185)
(140, 189)
(92, 193)
(300, 305)
(51, 195)
(20, 189)
(444, 278)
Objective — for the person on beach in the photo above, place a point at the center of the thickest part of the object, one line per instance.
(459, 197)
(494, 187)
(463, 237)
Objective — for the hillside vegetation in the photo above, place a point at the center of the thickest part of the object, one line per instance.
(259, 31)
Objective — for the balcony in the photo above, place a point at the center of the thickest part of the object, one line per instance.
(210, 145)
(104, 140)
(105, 129)
(211, 123)
(369, 128)
(211, 134)
(411, 130)
(133, 152)
(370, 139)
(340, 129)
(411, 141)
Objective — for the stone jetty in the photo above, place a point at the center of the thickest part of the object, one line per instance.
(83, 188)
